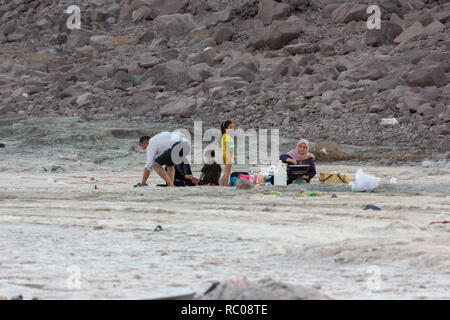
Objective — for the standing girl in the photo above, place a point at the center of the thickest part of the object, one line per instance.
(227, 128)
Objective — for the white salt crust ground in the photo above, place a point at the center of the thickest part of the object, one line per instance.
(216, 234)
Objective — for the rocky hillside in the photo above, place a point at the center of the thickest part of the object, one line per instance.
(309, 67)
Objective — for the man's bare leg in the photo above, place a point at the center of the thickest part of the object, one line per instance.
(163, 174)
(171, 172)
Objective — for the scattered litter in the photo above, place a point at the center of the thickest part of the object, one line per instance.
(19, 297)
(301, 192)
(274, 193)
(2, 145)
(96, 187)
(435, 222)
(138, 184)
(393, 180)
(334, 195)
(158, 228)
(371, 207)
(313, 194)
(364, 182)
(134, 79)
(389, 121)
(3, 298)
(333, 178)
(98, 228)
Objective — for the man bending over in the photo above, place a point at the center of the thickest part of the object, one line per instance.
(159, 153)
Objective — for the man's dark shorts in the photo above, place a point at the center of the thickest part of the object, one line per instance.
(165, 158)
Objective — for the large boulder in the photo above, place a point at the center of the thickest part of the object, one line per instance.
(183, 107)
(348, 12)
(434, 28)
(287, 67)
(223, 34)
(164, 7)
(174, 75)
(270, 10)
(244, 66)
(411, 33)
(427, 77)
(411, 103)
(174, 25)
(226, 82)
(384, 36)
(148, 60)
(280, 33)
(372, 70)
(205, 56)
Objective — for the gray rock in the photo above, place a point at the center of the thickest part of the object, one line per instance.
(148, 60)
(174, 25)
(85, 99)
(348, 12)
(223, 34)
(204, 70)
(205, 56)
(280, 33)
(411, 33)
(270, 10)
(245, 67)
(165, 7)
(183, 107)
(175, 75)
(372, 70)
(384, 36)
(427, 77)
(227, 82)
(265, 289)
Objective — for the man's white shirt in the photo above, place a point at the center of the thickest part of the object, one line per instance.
(160, 143)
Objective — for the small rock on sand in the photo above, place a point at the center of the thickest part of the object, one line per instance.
(243, 184)
(265, 289)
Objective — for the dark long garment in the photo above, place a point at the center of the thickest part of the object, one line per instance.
(182, 170)
(311, 172)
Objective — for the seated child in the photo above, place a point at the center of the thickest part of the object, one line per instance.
(211, 171)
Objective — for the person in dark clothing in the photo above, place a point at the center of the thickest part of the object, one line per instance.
(211, 171)
(300, 156)
(183, 175)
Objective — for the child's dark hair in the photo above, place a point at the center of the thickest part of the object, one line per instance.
(224, 125)
(210, 153)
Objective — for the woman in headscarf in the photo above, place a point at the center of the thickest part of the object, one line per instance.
(300, 156)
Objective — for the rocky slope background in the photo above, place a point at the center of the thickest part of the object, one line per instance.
(311, 68)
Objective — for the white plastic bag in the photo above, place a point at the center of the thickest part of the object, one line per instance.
(364, 182)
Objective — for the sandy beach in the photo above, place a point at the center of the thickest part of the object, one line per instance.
(55, 224)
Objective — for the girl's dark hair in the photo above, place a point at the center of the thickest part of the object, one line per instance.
(224, 125)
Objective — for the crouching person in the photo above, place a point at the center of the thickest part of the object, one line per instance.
(159, 153)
